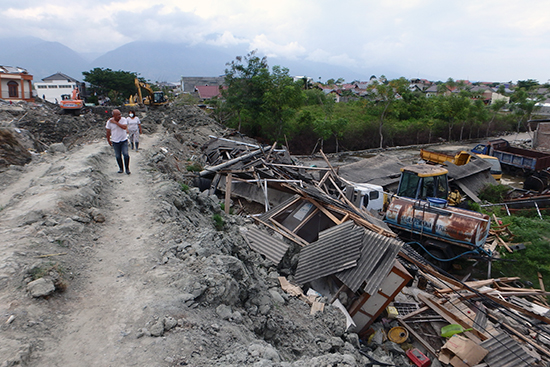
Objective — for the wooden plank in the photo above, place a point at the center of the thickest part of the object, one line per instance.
(288, 231)
(478, 283)
(305, 220)
(424, 343)
(518, 308)
(474, 335)
(292, 238)
(227, 202)
(414, 313)
(214, 184)
(503, 243)
(325, 211)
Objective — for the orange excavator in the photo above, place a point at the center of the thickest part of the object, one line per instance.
(71, 103)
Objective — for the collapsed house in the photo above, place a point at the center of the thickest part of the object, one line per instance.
(354, 261)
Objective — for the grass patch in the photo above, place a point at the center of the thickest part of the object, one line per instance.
(218, 222)
(222, 206)
(535, 234)
(184, 187)
(194, 167)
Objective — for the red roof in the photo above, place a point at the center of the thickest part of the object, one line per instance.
(208, 91)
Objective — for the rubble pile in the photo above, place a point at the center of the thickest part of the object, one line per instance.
(251, 259)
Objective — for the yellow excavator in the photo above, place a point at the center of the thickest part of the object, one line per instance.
(153, 98)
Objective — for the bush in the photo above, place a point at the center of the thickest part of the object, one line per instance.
(494, 193)
(194, 167)
(218, 222)
(184, 187)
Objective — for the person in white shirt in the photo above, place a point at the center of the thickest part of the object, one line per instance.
(116, 137)
(134, 129)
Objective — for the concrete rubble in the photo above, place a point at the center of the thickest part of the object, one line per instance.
(296, 275)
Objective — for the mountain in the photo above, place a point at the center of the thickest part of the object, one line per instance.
(162, 61)
(155, 61)
(41, 58)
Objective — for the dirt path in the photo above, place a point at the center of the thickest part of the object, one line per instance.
(107, 297)
(103, 310)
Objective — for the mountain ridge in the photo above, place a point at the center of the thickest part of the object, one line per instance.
(155, 61)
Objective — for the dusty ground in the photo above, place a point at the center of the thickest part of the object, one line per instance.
(141, 275)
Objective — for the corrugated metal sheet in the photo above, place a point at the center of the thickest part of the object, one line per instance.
(337, 248)
(377, 256)
(267, 245)
(505, 352)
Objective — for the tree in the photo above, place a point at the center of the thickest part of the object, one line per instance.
(118, 85)
(247, 80)
(525, 102)
(385, 94)
(495, 107)
(281, 100)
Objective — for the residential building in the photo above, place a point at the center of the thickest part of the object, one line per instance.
(15, 84)
(208, 91)
(188, 83)
(54, 86)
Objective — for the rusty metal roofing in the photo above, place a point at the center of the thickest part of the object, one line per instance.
(267, 245)
(338, 248)
(505, 352)
(377, 257)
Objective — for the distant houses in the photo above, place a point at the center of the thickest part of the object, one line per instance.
(15, 84)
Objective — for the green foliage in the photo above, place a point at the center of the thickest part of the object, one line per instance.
(260, 103)
(269, 106)
(218, 222)
(535, 234)
(117, 85)
(184, 187)
(222, 206)
(194, 167)
(44, 269)
(494, 193)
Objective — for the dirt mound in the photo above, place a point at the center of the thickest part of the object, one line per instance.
(11, 150)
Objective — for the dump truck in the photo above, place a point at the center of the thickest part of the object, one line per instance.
(461, 158)
(527, 160)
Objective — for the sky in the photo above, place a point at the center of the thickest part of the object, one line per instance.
(473, 40)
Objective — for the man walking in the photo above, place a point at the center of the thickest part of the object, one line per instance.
(116, 137)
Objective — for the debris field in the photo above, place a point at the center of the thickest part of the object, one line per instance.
(220, 251)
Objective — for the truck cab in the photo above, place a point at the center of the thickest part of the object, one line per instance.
(366, 196)
(423, 181)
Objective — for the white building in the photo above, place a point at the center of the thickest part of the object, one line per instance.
(51, 88)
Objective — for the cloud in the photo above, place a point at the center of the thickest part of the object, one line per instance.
(447, 38)
(291, 50)
(225, 39)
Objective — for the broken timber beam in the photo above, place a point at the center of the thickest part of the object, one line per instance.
(208, 170)
(474, 335)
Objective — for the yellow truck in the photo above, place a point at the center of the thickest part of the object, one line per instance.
(461, 158)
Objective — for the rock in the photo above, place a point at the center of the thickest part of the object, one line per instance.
(158, 328)
(41, 287)
(170, 323)
(57, 148)
(224, 311)
(277, 298)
